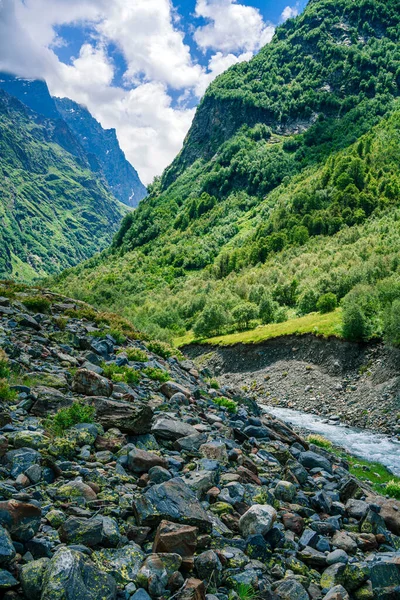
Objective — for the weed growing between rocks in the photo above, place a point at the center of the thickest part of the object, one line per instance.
(68, 417)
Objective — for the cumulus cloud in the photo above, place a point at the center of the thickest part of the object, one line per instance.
(150, 126)
(231, 27)
(289, 13)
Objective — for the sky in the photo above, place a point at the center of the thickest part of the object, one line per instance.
(140, 66)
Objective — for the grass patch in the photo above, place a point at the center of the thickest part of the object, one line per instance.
(121, 374)
(4, 367)
(37, 304)
(326, 325)
(393, 489)
(134, 354)
(68, 417)
(7, 394)
(245, 591)
(118, 326)
(156, 374)
(319, 440)
(230, 405)
(163, 349)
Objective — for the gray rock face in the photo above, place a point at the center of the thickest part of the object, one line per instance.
(7, 550)
(173, 501)
(48, 401)
(168, 428)
(88, 532)
(170, 388)
(71, 576)
(312, 460)
(140, 461)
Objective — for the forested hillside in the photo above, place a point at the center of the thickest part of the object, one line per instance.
(54, 211)
(284, 199)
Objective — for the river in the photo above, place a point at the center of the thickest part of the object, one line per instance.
(374, 447)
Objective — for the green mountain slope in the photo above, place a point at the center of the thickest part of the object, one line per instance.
(292, 161)
(54, 212)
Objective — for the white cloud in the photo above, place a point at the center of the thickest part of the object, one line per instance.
(148, 34)
(289, 13)
(232, 27)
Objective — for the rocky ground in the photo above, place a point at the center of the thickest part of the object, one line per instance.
(359, 383)
(165, 493)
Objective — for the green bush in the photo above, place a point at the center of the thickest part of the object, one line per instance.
(214, 384)
(244, 313)
(134, 354)
(4, 368)
(392, 324)
(38, 304)
(162, 349)
(6, 394)
(68, 417)
(319, 440)
(327, 303)
(121, 374)
(307, 302)
(230, 405)
(156, 374)
(212, 320)
(267, 309)
(393, 489)
(361, 314)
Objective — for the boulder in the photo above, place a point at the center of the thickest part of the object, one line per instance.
(155, 572)
(290, 589)
(170, 428)
(337, 593)
(170, 388)
(390, 513)
(71, 576)
(140, 461)
(179, 539)
(194, 589)
(7, 550)
(21, 519)
(31, 577)
(122, 564)
(89, 383)
(312, 460)
(172, 500)
(258, 519)
(75, 530)
(385, 577)
(48, 401)
(209, 568)
(76, 489)
(130, 418)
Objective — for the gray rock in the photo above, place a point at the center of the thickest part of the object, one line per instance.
(131, 418)
(312, 460)
(258, 519)
(48, 401)
(173, 501)
(141, 461)
(290, 589)
(90, 383)
(71, 576)
(88, 532)
(7, 550)
(31, 577)
(169, 428)
(156, 571)
(122, 563)
(21, 519)
(209, 567)
(337, 556)
(170, 388)
(7, 581)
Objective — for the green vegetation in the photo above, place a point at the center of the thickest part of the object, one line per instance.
(245, 591)
(288, 205)
(54, 211)
(230, 405)
(156, 374)
(375, 474)
(121, 374)
(38, 304)
(163, 349)
(4, 366)
(134, 354)
(68, 417)
(6, 394)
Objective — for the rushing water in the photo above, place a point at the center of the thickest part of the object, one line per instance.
(359, 442)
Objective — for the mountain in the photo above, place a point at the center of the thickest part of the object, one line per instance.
(286, 191)
(54, 211)
(102, 145)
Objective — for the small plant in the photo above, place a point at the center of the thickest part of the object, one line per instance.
(245, 591)
(319, 440)
(61, 323)
(156, 374)
(214, 384)
(121, 374)
(38, 304)
(393, 489)
(230, 405)
(6, 393)
(163, 349)
(70, 416)
(4, 368)
(134, 354)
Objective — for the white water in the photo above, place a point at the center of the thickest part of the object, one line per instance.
(365, 444)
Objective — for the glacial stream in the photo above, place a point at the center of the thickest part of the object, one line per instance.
(362, 443)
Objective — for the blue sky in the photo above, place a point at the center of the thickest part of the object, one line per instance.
(140, 66)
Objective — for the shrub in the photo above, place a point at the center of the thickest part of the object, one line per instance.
(121, 374)
(68, 417)
(230, 405)
(392, 324)
(156, 374)
(245, 591)
(244, 313)
(319, 440)
(307, 303)
(134, 354)
(4, 368)
(214, 384)
(211, 320)
(327, 303)
(38, 304)
(266, 310)
(6, 394)
(162, 349)
(393, 489)
(361, 314)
